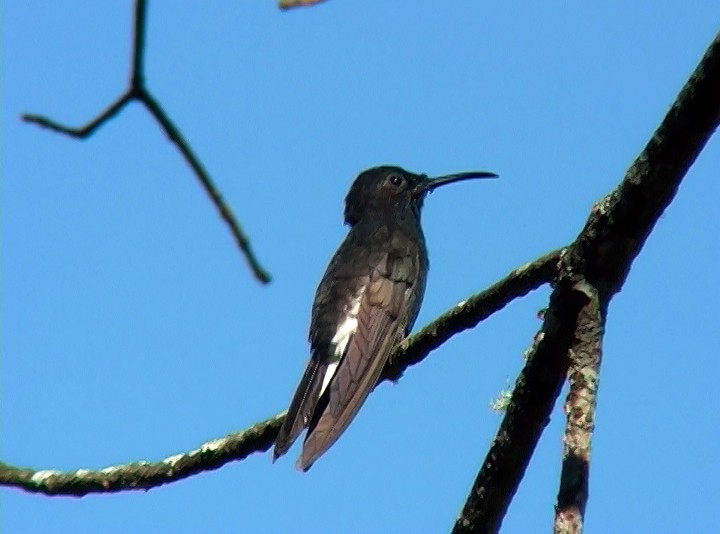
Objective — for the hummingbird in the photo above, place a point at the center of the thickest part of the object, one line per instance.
(366, 303)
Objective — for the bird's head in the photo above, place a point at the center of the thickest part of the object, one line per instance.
(392, 190)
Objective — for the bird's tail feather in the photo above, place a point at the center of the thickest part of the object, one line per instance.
(301, 407)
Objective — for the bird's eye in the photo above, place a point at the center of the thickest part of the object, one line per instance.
(396, 179)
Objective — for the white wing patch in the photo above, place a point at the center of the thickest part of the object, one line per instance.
(328, 376)
(342, 337)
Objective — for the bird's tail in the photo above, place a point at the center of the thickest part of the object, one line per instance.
(301, 407)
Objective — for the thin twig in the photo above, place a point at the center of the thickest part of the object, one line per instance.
(289, 4)
(227, 215)
(601, 255)
(137, 72)
(84, 131)
(259, 437)
(139, 92)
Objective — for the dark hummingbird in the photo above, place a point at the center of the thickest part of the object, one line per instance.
(366, 303)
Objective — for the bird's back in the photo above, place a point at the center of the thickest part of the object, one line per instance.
(392, 250)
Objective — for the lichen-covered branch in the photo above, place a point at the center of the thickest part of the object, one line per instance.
(583, 376)
(145, 475)
(259, 437)
(601, 255)
(138, 91)
(526, 416)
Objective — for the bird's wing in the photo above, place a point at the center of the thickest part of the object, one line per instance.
(381, 322)
(301, 407)
(331, 306)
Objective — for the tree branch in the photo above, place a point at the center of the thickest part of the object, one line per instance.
(138, 91)
(601, 255)
(525, 418)
(289, 4)
(468, 313)
(137, 74)
(583, 376)
(145, 475)
(260, 437)
(84, 131)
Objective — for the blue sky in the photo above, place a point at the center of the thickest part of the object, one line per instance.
(132, 330)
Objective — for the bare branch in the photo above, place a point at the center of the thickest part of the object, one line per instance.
(227, 215)
(601, 255)
(289, 4)
(259, 438)
(138, 91)
(84, 131)
(137, 73)
(583, 376)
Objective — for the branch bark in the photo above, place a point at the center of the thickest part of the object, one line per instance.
(601, 255)
(138, 91)
(583, 376)
(260, 437)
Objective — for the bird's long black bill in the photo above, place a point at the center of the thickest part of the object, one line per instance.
(434, 183)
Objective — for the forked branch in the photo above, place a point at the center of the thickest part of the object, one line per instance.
(601, 256)
(138, 91)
